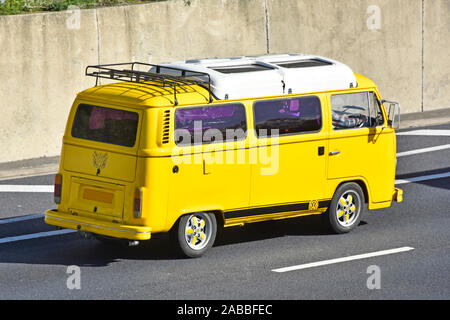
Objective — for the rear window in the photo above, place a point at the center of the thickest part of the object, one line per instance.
(288, 116)
(210, 124)
(105, 125)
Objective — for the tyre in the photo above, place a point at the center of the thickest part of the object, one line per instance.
(194, 234)
(346, 208)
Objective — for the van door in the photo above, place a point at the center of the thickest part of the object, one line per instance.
(100, 142)
(361, 146)
(290, 174)
(212, 172)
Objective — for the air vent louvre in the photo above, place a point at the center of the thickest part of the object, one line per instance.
(166, 127)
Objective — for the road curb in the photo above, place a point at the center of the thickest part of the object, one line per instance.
(28, 168)
(423, 119)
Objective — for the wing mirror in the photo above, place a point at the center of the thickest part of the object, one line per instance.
(393, 113)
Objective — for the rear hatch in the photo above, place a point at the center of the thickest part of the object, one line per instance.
(100, 152)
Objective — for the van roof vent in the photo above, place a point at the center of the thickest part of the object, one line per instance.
(267, 75)
(166, 127)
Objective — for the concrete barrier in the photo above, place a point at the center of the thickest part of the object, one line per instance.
(400, 44)
(179, 30)
(436, 54)
(41, 69)
(388, 51)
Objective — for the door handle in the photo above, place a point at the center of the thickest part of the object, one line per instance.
(334, 153)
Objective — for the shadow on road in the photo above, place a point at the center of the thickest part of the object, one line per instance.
(442, 183)
(302, 226)
(71, 249)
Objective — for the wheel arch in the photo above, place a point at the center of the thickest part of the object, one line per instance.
(362, 185)
(220, 220)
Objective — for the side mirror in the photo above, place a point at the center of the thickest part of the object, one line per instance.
(393, 113)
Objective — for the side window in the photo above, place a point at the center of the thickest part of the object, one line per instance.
(210, 124)
(289, 116)
(355, 110)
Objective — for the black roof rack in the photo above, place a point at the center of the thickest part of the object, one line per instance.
(160, 76)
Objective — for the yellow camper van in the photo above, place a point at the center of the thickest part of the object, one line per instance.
(189, 147)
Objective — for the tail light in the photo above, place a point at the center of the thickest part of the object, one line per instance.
(138, 203)
(58, 188)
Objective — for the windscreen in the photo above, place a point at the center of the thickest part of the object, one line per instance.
(107, 125)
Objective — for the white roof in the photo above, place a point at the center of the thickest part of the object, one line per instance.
(257, 76)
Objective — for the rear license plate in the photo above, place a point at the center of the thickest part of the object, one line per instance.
(96, 195)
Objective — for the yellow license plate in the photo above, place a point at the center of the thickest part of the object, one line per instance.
(96, 195)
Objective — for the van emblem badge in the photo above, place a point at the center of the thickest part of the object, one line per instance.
(313, 205)
(99, 160)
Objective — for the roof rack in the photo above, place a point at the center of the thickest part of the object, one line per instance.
(128, 73)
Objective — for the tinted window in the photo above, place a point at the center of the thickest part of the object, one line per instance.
(297, 115)
(106, 125)
(355, 110)
(210, 124)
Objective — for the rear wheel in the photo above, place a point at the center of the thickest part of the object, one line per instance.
(194, 234)
(346, 208)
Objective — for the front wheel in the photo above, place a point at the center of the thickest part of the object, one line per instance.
(195, 233)
(346, 208)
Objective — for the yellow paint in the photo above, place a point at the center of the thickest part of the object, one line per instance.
(103, 201)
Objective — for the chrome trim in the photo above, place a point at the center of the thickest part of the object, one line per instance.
(396, 107)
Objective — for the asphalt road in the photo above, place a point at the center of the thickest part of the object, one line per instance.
(241, 263)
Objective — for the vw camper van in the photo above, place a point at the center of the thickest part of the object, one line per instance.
(188, 147)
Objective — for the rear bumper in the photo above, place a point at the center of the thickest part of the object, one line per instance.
(398, 195)
(116, 230)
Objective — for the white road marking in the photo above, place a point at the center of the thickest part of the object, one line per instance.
(23, 218)
(425, 133)
(424, 150)
(36, 235)
(26, 188)
(423, 178)
(345, 259)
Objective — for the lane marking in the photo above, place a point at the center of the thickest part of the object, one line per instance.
(424, 150)
(26, 188)
(345, 259)
(423, 178)
(36, 235)
(23, 218)
(425, 132)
